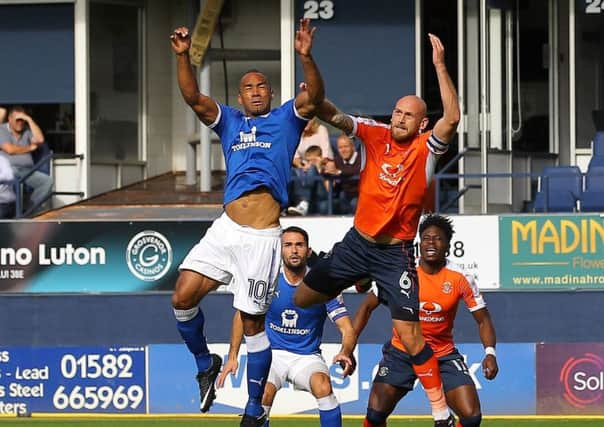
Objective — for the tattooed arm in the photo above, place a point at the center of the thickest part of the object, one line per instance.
(329, 113)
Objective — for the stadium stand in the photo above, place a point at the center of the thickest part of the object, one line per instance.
(598, 150)
(561, 188)
(592, 199)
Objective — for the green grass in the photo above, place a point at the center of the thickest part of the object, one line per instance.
(198, 421)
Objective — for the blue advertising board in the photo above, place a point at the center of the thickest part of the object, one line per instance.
(509, 393)
(174, 390)
(72, 379)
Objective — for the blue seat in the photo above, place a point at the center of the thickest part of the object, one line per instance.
(597, 146)
(592, 199)
(561, 187)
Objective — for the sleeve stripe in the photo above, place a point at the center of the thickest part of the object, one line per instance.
(436, 145)
(477, 307)
(337, 313)
(296, 112)
(218, 116)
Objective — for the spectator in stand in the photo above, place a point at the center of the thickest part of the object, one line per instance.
(18, 139)
(308, 187)
(313, 134)
(347, 165)
(7, 195)
(3, 114)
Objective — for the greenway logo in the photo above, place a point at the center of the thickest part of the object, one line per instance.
(149, 255)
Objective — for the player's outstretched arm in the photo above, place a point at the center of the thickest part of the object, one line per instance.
(486, 330)
(329, 113)
(204, 106)
(364, 311)
(232, 364)
(308, 100)
(349, 341)
(446, 126)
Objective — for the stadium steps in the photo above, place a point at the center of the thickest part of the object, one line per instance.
(161, 197)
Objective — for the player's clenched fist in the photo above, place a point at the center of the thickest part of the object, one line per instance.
(180, 40)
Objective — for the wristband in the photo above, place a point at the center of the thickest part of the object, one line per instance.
(490, 350)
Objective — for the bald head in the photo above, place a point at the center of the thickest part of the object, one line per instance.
(408, 118)
(415, 103)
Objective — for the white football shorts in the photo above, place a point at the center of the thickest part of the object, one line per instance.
(295, 369)
(244, 258)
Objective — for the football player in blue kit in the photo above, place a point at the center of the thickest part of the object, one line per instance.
(242, 247)
(295, 335)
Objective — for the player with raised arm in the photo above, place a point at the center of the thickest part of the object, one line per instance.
(397, 167)
(242, 247)
(295, 336)
(442, 286)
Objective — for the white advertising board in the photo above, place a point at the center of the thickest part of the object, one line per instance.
(475, 244)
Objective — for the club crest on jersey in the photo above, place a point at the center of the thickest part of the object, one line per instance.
(447, 288)
(248, 140)
(289, 318)
(383, 371)
(391, 174)
(248, 137)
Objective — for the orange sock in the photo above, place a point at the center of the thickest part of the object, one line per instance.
(429, 375)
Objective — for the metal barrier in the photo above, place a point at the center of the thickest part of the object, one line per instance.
(17, 186)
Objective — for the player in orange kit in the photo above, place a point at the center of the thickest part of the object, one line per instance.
(442, 286)
(398, 162)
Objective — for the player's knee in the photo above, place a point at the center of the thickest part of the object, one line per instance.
(182, 301)
(376, 417)
(321, 385)
(184, 296)
(473, 421)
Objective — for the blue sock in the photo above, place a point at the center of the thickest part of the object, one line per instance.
(330, 414)
(331, 417)
(259, 357)
(190, 325)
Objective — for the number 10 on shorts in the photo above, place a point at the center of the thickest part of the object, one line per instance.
(258, 290)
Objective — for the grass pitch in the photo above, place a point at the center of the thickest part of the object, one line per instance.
(197, 421)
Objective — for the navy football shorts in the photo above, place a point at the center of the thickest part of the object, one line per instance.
(354, 258)
(396, 369)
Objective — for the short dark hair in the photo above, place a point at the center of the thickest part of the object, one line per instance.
(16, 108)
(440, 221)
(294, 229)
(314, 150)
(256, 71)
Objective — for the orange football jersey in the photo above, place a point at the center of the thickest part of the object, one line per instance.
(393, 181)
(439, 296)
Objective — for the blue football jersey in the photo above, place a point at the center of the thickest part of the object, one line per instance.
(258, 150)
(295, 329)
